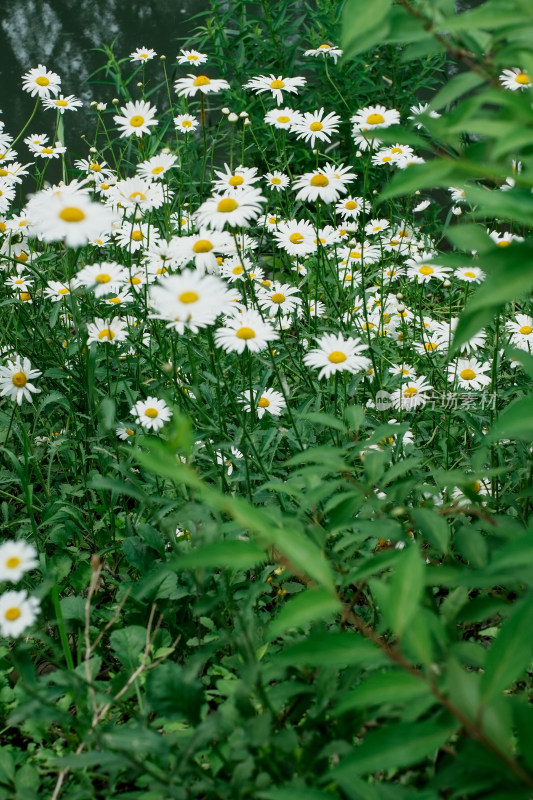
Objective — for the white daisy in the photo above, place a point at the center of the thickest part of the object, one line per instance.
(297, 238)
(111, 331)
(469, 373)
(313, 126)
(142, 54)
(245, 331)
(192, 57)
(238, 179)
(15, 380)
(326, 51)
(337, 354)
(62, 104)
(515, 79)
(203, 248)
(470, 274)
(282, 118)
(521, 330)
(276, 85)
(423, 272)
(373, 117)
(190, 300)
(16, 558)
(41, 81)
(18, 611)
(412, 394)
(186, 123)
(278, 297)
(103, 278)
(157, 166)
(136, 118)
(151, 413)
(277, 180)
(235, 210)
(267, 401)
(192, 84)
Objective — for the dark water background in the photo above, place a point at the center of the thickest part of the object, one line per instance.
(63, 35)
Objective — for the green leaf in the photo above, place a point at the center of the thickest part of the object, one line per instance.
(511, 653)
(305, 607)
(395, 687)
(406, 589)
(364, 25)
(331, 650)
(232, 554)
(437, 172)
(515, 422)
(128, 643)
(395, 746)
(456, 87)
(170, 692)
(434, 528)
(296, 793)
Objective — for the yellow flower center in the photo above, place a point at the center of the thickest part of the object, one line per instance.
(188, 297)
(430, 346)
(106, 333)
(350, 205)
(3, 173)
(469, 274)
(277, 181)
(324, 47)
(410, 391)
(396, 150)
(61, 103)
(227, 205)
(136, 236)
(115, 300)
(136, 121)
(151, 412)
(129, 431)
(19, 379)
(186, 123)
(202, 246)
(355, 254)
(12, 562)
(158, 170)
(94, 167)
(476, 487)
(25, 296)
(319, 180)
(503, 243)
(135, 280)
(63, 291)
(237, 270)
(386, 158)
(467, 374)
(22, 257)
(277, 84)
(12, 613)
(102, 277)
(42, 80)
(236, 180)
(316, 126)
(523, 78)
(375, 119)
(337, 357)
(296, 238)
(263, 402)
(245, 333)
(71, 214)
(526, 330)
(283, 119)
(104, 186)
(192, 58)
(201, 80)
(278, 298)
(426, 270)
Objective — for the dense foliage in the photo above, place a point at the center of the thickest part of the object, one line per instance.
(266, 417)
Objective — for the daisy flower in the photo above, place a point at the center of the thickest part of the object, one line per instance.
(142, 54)
(235, 269)
(192, 57)
(136, 118)
(337, 354)
(68, 215)
(325, 50)
(136, 235)
(185, 123)
(62, 104)
(504, 239)
(412, 394)
(403, 370)
(423, 272)
(277, 180)
(41, 81)
(268, 401)
(269, 83)
(376, 226)
(50, 152)
(297, 238)
(56, 291)
(313, 126)
(239, 178)
(104, 278)
(16, 558)
(17, 613)
(21, 282)
(106, 330)
(190, 300)
(350, 208)
(124, 433)
(469, 373)
(521, 330)
(444, 333)
(316, 185)
(282, 118)
(15, 380)
(151, 413)
(136, 192)
(372, 117)
(278, 296)
(7, 193)
(515, 79)
(470, 274)
(157, 166)
(417, 111)
(360, 253)
(14, 171)
(224, 461)
(235, 210)
(245, 331)
(97, 170)
(189, 86)
(202, 248)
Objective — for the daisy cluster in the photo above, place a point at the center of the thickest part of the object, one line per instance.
(268, 267)
(18, 610)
